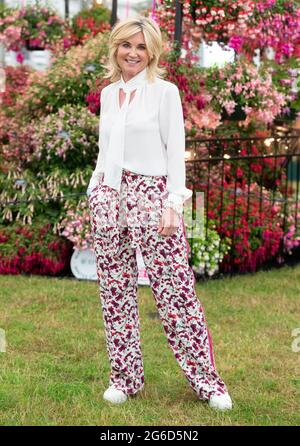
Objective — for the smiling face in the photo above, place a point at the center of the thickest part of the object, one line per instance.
(132, 56)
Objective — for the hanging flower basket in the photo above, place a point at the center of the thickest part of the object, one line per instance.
(33, 26)
(238, 114)
(32, 46)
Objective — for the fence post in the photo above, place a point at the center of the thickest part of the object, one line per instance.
(178, 27)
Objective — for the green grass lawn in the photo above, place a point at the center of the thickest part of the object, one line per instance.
(55, 368)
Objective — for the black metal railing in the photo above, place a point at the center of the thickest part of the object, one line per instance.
(249, 183)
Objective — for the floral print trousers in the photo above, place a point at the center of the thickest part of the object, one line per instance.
(121, 221)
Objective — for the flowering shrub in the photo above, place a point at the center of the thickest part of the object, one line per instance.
(275, 24)
(16, 143)
(290, 205)
(41, 193)
(86, 24)
(90, 21)
(15, 84)
(257, 166)
(244, 89)
(33, 26)
(256, 228)
(201, 118)
(33, 250)
(11, 29)
(206, 249)
(68, 137)
(207, 253)
(76, 226)
(266, 171)
(291, 238)
(93, 97)
(61, 154)
(68, 81)
(286, 79)
(212, 96)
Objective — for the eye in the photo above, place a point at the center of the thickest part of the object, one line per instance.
(142, 47)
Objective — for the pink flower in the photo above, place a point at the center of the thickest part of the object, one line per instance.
(229, 106)
(35, 42)
(19, 57)
(238, 88)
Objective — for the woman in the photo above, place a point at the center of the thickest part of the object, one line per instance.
(136, 195)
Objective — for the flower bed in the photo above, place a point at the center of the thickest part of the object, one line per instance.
(33, 250)
(251, 217)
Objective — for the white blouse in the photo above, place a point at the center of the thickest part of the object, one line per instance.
(153, 136)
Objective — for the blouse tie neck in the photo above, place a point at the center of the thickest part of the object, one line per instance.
(115, 153)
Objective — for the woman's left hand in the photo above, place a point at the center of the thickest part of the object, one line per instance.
(169, 222)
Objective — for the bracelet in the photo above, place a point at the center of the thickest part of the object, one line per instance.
(178, 207)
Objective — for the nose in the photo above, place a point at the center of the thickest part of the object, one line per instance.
(132, 53)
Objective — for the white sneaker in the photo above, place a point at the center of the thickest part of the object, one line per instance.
(114, 395)
(221, 402)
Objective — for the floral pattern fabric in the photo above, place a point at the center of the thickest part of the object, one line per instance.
(120, 222)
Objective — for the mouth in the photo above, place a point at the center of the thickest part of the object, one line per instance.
(132, 62)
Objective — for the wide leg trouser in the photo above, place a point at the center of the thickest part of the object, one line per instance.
(171, 278)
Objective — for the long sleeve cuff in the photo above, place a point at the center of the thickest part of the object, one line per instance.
(94, 181)
(175, 201)
(180, 198)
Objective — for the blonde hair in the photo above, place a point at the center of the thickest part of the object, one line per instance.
(123, 30)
